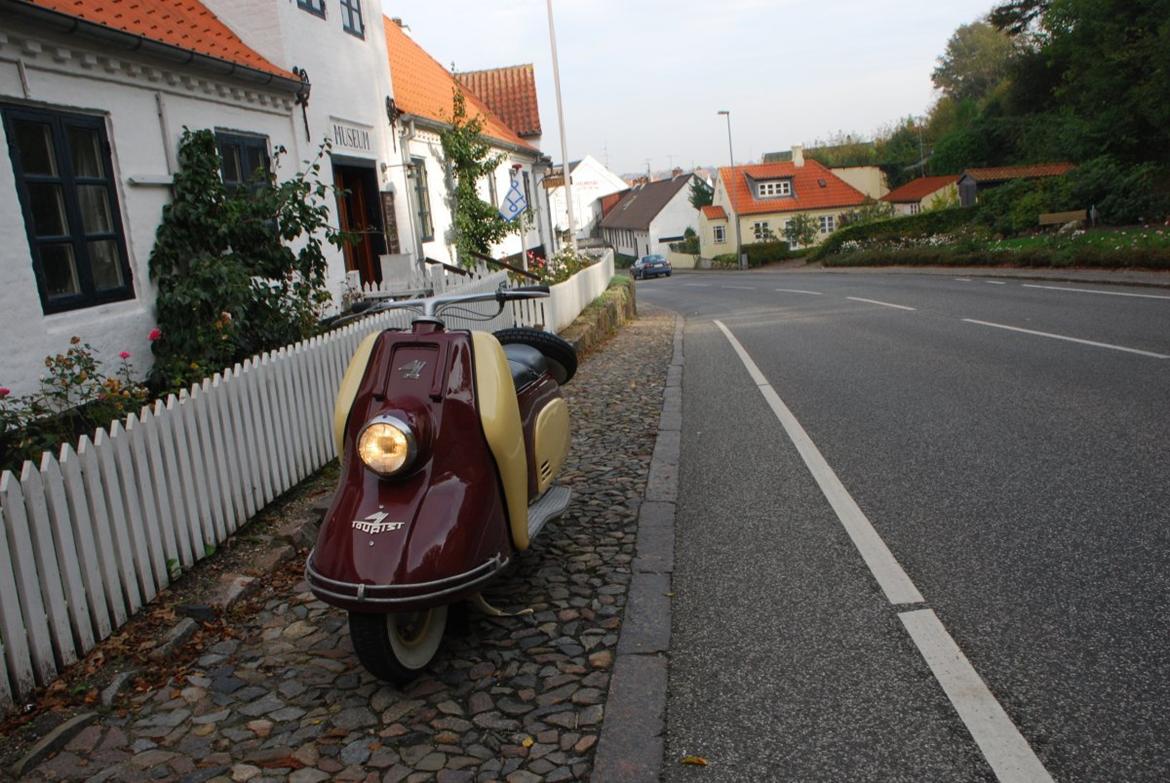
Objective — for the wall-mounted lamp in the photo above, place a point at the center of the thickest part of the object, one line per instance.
(303, 93)
(393, 113)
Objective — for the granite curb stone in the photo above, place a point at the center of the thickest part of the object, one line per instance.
(632, 745)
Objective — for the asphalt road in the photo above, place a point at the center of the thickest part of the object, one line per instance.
(1020, 480)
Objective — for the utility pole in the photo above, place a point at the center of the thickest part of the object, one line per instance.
(738, 239)
(552, 39)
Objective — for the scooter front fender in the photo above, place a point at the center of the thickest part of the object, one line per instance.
(437, 533)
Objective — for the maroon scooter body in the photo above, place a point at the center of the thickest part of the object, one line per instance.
(451, 532)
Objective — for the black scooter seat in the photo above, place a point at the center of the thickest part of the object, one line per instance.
(527, 364)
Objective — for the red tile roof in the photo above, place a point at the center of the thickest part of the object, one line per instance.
(423, 87)
(715, 213)
(807, 190)
(1003, 173)
(611, 201)
(186, 24)
(510, 93)
(918, 189)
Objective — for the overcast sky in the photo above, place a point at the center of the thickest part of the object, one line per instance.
(644, 78)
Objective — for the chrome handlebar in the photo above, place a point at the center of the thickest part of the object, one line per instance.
(433, 306)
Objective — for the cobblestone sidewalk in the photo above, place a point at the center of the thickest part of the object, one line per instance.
(515, 699)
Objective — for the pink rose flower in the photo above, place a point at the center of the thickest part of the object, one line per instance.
(125, 355)
(4, 392)
(154, 335)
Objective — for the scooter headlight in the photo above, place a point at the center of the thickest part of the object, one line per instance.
(386, 445)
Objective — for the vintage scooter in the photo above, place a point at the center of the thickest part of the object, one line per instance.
(450, 442)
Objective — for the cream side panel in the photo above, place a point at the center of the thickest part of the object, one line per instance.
(499, 413)
(347, 392)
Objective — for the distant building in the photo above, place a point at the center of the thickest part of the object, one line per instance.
(423, 90)
(973, 182)
(924, 193)
(591, 181)
(649, 217)
(764, 197)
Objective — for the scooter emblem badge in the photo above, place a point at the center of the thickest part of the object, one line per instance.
(375, 523)
(412, 371)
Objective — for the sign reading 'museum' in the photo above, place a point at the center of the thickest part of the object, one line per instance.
(351, 137)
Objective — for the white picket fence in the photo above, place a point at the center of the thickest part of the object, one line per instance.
(95, 532)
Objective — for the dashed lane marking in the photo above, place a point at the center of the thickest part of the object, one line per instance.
(883, 304)
(995, 282)
(798, 291)
(1096, 291)
(1049, 335)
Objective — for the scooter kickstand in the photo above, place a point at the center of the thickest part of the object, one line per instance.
(480, 603)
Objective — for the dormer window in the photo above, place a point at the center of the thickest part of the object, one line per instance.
(774, 189)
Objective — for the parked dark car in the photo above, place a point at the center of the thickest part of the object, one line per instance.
(650, 266)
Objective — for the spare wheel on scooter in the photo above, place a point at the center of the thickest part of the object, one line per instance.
(562, 357)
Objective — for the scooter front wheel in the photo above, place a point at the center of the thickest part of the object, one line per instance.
(396, 647)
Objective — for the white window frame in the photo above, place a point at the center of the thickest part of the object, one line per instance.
(828, 224)
(774, 189)
(759, 228)
(720, 234)
(915, 208)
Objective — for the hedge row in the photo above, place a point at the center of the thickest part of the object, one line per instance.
(1040, 257)
(943, 221)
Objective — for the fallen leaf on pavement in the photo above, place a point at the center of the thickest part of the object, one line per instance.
(694, 761)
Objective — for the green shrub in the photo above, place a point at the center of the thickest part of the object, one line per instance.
(926, 224)
(622, 261)
(766, 252)
(1123, 195)
(1038, 257)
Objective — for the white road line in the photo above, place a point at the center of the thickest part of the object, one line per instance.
(738, 287)
(1151, 354)
(1095, 291)
(963, 279)
(882, 563)
(883, 304)
(995, 282)
(1011, 758)
(697, 285)
(1006, 750)
(798, 291)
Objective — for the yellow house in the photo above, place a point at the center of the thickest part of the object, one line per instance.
(924, 193)
(763, 198)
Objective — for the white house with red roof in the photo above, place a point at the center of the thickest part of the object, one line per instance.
(93, 99)
(924, 193)
(762, 198)
(423, 93)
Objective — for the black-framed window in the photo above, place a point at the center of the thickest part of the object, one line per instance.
(422, 192)
(244, 159)
(351, 18)
(315, 7)
(65, 183)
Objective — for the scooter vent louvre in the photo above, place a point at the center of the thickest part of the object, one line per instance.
(545, 470)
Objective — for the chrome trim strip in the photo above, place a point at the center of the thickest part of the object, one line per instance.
(375, 594)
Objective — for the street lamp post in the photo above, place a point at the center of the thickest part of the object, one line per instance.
(738, 240)
(552, 38)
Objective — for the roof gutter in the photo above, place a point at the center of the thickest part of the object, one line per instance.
(132, 42)
(437, 125)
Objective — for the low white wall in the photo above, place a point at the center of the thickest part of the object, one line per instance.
(682, 260)
(566, 300)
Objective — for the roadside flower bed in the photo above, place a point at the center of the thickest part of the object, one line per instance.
(560, 267)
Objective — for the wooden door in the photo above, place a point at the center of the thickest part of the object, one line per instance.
(353, 210)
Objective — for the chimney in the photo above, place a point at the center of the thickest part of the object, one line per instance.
(798, 155)
(676, 172)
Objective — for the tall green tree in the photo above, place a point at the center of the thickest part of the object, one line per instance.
(702, 194)
(976, 61)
